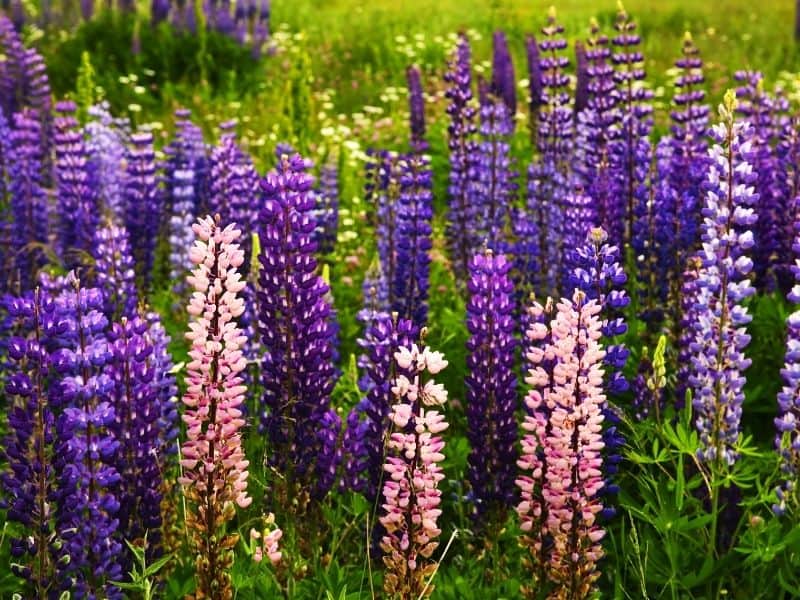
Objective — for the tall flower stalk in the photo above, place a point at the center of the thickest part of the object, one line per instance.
(411, 490)
(214, 465)
(723, 282)
(561, 452)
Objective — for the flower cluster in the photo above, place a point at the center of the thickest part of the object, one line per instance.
(214, 465)
(411, 491)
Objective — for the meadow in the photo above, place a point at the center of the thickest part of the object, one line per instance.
(338, 300)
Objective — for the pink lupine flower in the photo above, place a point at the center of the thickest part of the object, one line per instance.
(562, 449)
(411, 489)
(214, 465)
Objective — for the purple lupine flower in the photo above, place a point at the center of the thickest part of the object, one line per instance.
(788, 153)
(106, 142)
(27, 197)
(136, 428)
(723, 282)
(534, 84)
(463, 149)
(580, 216)
(632, 152)
(11, 69)
(491, 396)
(88, 479)
(328, 208)
(78, 200)
(297, 371)
(159, 11)
(367, 423)
(787, 423)
(688, 315)
(598, 273)
(547, 180)
(413, 239)
(114, 273)
(416, 107)
(581, 78)
(87, 9)
(28, 481)
(504, 83)
(17, 14)
(383, 186)
(165, 386)
(234, 187)
(143, 204)
(495, 186)
(6, 246)
(597, 132)
(758, 108)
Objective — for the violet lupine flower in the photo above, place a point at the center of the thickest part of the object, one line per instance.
(106, 143)
(143, 203)
(413, 238)
(547, 176)
(758, 108)
(410, 491)
(534, 84)
(29, 481)
(597, 273)
(27, 198)
(11, 70)
(491, 397)
(113, 272)
(495, 187)
(6, 245)
(234, 186)
(723, 283)
(580, 216)
(88, 480)
(632, 152)
(689, 156)
(504, 83)
(597, 132)
(788, 153)
(581, 78)
(159, 11)
(78, 201)
(368, 422)
(297, 372)
(463, 149)
(136, 423)
(416, 107)
(787, 423)
(688, 311)
(328, 208)
(87, 9)
(383, 188)
(561, 451)
(165, 386)
(214, 465)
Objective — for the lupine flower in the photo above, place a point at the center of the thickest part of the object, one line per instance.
(504, 83)
(368, 423)
(87, 450)
(410, 492)
(547, 176)
(413, 238)
(137, 417)
(758, 108)
(78, 201)
(416, 107)
(632, 153)
(328, 208)
(494, 189)
(561, 452)
(159, 11)
(106, 142)
(6, 245)
(788, 153)
(143, 204)
(297, 372)
(688, 311)
(463, 149)
(29, 480)
(214, 465)
(534, 84)
(234, 187)
(27, 197)
(383, 187)
(114, 273)
(491, 398)
(723, 283)
(598, 274)
(580, 216)
(787, 423)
